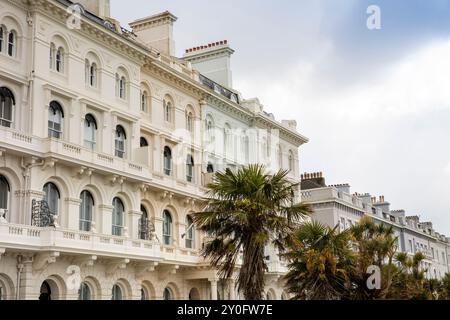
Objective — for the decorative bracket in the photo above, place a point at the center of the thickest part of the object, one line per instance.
(142, 269)
(49, 163)
(117, 265)
(43, 260)
(141, 187)
(168, 270)
(78, 173)
(113, 179)
(85, 261)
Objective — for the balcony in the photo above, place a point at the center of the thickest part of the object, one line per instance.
(30, 238)
(79, 155)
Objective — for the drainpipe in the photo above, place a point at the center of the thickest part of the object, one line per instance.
(19, 273)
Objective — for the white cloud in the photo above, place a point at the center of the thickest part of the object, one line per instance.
(447, 169)
(382, 135)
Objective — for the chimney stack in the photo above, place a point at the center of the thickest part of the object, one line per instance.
(213, 60)
(100, 8)
(156, 32)
(313, 180)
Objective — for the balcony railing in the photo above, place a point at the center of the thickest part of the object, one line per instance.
(79, 242)
(219, 89)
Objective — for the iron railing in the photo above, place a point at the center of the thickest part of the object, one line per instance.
(41, 216)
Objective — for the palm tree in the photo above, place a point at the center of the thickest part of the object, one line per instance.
(319, 259)
(409, 283)
(245, 212)
(376, 245)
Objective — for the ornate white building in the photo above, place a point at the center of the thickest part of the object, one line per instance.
(107, 141)
(335, 206)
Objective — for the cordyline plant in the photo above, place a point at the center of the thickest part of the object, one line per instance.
(319, 258)
(376, 245)
(246, 211)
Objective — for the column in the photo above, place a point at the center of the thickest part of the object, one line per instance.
(72, 220)
(105, 219)
(213, 283)
(159, 228)
(133, 226)
(27, 288)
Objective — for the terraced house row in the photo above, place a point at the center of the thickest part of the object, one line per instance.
(335, 205)
(107, 141)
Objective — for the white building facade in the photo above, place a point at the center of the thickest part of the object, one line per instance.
(105, 151)
(335, 206)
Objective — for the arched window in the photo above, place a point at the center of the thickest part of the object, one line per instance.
(143, 225)
(144, 101)
(209, 129)
(12, 44)
(167, 161)
(190, 121)
(167, 228)
(90, 129)
(7, 101)
(86, 211)
(143, 142)
(4, 196)
(168, 295)
(84, 293)
(45, 292)
(59, 60)
(190, 168)
(210, 168)
(52, 55)
(117, 217)
(246, 147)
(144, 295)
(120, 142)
(2, 38)
(121, 85)
(167, 110)
(52, 196)
(227, 140)
(55, 117)
(280, 157)
(93, 75)
(264, 148)
(117, 292)
(122, 88)
(189, 232)
(291, 162)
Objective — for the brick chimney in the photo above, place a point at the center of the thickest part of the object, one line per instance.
(313, 180)
(382, 204)
(156, 32)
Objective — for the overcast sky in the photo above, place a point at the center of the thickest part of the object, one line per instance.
(374, 103)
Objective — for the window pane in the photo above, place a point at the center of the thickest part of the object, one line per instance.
(4, 193)
(84, 292)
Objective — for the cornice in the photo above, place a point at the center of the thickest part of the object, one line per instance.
(286, 133)
(108, 38)
(156, 20)
(147, 59)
